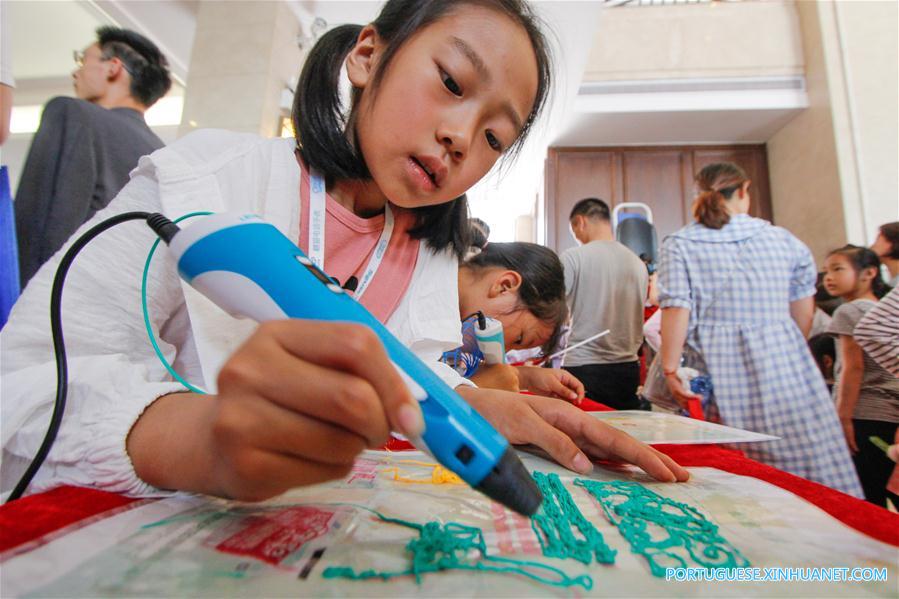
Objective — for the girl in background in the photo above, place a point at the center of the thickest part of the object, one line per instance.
(740, 292)
(441, 90)
(867, 396)
(523, 286)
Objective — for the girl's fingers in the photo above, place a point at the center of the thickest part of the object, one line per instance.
(573, 383)
(328, 395)
(356, 349)
(558, 387)
(288, 432)
(664, 472)
(346, 362)
(557, 444)
(624, 447)
(681, 473)
(552, 383)
(516, 419)
(606, 441)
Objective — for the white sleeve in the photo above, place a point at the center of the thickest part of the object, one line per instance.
(113, 372)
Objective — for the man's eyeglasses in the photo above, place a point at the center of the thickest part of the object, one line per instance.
(79, 56)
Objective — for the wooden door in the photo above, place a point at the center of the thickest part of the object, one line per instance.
(661, 177)
(655, 178)
(577, 176)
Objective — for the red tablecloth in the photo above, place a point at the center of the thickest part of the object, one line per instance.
(36, 515)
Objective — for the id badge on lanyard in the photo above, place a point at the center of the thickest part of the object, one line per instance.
(317, 216)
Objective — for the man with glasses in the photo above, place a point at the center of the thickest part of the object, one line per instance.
(85, 148)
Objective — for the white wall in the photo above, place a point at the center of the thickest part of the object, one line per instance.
(834, 167)
(803, 166)
(870, 58)
(244, 54)
(717, 39)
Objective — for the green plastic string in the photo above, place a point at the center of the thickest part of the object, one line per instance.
(880, 444)
(446, 547)
(146, 311)
(664, 531)
(554, 521)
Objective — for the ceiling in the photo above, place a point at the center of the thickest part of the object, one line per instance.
(70, 24)
(41, 63)
(33, 57)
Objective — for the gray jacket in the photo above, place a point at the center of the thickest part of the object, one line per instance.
(79, 160)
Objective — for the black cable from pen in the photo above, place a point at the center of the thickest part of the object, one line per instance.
(59, 349)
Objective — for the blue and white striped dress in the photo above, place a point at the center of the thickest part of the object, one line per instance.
(738, 282)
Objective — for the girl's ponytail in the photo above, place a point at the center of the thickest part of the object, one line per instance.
(879, 287)
(709, 209)
(319, 118)
(717, 183)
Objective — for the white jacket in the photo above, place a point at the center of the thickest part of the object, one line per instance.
(113, 373)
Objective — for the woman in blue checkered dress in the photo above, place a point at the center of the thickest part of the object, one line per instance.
(738, 290)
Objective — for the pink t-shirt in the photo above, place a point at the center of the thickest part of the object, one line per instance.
(350, 241)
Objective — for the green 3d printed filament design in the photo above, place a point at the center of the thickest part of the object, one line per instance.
(666, 532)
(447, 547)
(557, 517)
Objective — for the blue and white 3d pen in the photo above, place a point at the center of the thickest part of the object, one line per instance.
(489, 334)
(250, 269)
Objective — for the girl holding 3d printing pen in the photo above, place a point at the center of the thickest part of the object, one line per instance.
(522, 285)
(441, 90)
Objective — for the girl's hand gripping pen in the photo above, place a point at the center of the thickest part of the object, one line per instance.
(249, 269)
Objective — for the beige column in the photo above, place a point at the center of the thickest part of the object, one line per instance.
(244, 55)
(834, 167)
(803, 161)
(525, 228)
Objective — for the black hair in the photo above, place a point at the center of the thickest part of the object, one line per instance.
(149, 69)
(542, 290)
(324, 129)
(821, 346)
(479, 231)
(890, 232)
(592, 208)
(862, 258)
